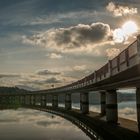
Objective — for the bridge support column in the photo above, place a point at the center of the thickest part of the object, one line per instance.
(31, 99)
(26, 99)
(43, 100)
(84, 103)
(34, 99)
(55, 101)
(138, 106)
(21, 100)
(68, 101)
(103, 102)
(111, 106)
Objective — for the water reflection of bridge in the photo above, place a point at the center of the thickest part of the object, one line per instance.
(94, 126)
(122, 71)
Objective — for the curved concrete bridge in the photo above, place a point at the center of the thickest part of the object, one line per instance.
(121, 72)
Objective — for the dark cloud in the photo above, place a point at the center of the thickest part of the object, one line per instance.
(82, 34)
(47, 72)
(42, 82)
(9, 120)
(52, 80)
(46, 123)
(9, 75)
(73, 37)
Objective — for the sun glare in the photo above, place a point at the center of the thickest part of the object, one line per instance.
(121, 34)
(129, 28)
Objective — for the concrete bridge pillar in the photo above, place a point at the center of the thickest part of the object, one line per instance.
(24, 101)
(33, 99)
(68, 101)
(110, 68)
(11, 100)
(30, 101)
(21, 99)
(103, 102)
(138, 106)
(43, 100)
(55, 101)
(17, 99)
(111, 106)
(84, 103)
(14, 100)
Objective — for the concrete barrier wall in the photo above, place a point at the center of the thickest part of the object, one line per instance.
(127, 58)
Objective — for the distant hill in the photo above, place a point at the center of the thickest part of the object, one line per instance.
(27, 88)
(126, 97)
(12, 90)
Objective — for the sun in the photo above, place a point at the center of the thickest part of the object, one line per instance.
(129, 28)
(122, 34)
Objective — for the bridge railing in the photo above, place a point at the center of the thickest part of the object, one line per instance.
(126, 59)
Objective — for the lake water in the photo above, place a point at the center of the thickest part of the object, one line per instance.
(27, 124)
(125, 109)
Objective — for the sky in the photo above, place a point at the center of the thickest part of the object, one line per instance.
(50, 43)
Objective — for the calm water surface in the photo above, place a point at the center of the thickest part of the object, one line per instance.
(27, 124)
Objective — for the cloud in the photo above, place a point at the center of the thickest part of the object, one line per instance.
(120, 10)
(54, 56)
(74, 38)
(80, 68)
(47, 72)
(9, 120)
(128, 112)
(46, 123)
(9, 75)
(44, 81)
(128, 29)
(81, 39)
(53, 80)
(112, 52)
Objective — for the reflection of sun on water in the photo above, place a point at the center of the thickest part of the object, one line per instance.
(127, 29)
